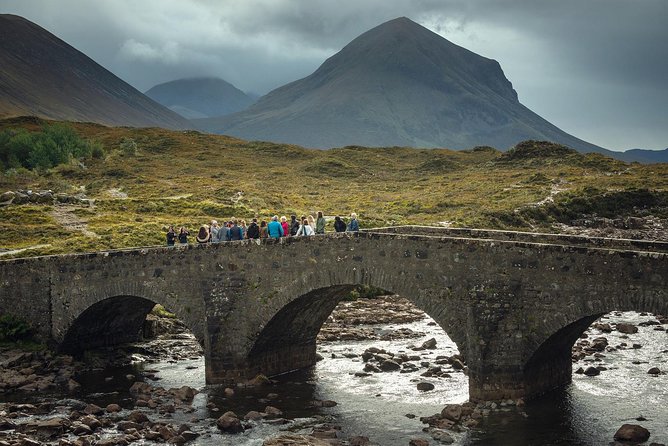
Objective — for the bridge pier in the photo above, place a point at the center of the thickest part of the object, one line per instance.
(276, 362)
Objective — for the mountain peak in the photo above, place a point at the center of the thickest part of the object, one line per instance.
(200, 97)
(42, 75)
(398, 84)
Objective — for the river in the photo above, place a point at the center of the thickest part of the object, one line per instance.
(386, 406)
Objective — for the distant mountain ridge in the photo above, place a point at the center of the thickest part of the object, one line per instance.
(42, 75)
(200, 97)
(643, 156)
(398, 84)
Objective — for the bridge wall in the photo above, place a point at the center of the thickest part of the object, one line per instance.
(513, 308)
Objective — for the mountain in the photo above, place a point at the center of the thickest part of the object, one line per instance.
(398, 84)
(643, 156)
(42, 75)
(200, 97)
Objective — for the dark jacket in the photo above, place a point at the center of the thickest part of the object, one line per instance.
(253, 230)
(294, 226)
(339, 225)
(235, 233)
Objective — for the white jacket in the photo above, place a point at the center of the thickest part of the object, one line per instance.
(305, 230)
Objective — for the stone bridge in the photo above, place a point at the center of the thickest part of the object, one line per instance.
(514, 303)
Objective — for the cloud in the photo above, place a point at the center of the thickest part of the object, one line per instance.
(596, 68)
(169, 54)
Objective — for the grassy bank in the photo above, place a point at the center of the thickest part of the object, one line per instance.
(146, 179)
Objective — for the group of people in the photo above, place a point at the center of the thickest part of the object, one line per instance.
(276, 228)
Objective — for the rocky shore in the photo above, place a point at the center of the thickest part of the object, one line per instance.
(44, 403)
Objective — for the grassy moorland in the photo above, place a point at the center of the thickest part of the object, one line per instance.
(142, 180)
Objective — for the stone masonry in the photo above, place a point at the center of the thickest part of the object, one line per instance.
(514, 303)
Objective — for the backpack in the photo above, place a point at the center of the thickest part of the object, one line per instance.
(253, 230)
(235, 233)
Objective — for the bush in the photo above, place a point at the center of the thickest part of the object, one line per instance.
(365, 292)
(128, 146)
(55, 144)
(13, 329)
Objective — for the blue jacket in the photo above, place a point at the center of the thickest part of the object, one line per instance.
(353, 226)
(275, 230)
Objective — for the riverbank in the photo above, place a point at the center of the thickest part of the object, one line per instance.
(389, 376)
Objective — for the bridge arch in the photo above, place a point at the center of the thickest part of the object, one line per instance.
(288, 339)
(550, 365)
(112, 321)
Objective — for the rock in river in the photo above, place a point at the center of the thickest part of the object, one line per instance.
(632, 433)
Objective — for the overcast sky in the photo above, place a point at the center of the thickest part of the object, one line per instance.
(598, 69)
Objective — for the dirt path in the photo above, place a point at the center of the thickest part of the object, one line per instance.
(69, 220)
(20, 250)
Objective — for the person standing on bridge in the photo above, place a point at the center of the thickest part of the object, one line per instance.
(286, 226)
(353, 224)
(203, 236)
(171, 236)
(183, 236)
(320, 224)
(294, 225)
(305, 228)
(263, 229)
(274, 228)
(339, 225)
(214, 228)
(235, 232)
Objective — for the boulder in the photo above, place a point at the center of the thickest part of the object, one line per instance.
(137, 417)
(52, 427)
(113, 408)
(359, 441)
(189, 435)
(654, 371)
(389, 365)
(93, 409)
(91, 422)
(273, 412)
(371, 368)
(184, 393)
(592, 371)
(452, 412)
(418, 442)
(253, 416)
(7, 196)
(73, 386)
(627, 328)
(295, 440)
(140, 388)
(230, 423)
(632, 433)
(425, 386)
(457, 364)
(429, 344)
(442, 436)
(127, 425)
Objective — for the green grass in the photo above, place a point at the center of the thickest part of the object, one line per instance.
(190, 178)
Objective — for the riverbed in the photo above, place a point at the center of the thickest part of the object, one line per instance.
(386, 406)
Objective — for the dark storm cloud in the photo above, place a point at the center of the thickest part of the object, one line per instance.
(596, 68)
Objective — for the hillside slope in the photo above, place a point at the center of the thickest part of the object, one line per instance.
(42, 75)
(188, 178)
(398, 84)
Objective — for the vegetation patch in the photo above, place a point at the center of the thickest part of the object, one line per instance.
(189, 178)
(13, 329)
(54, 144)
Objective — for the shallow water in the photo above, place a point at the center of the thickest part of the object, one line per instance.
(587, 412)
